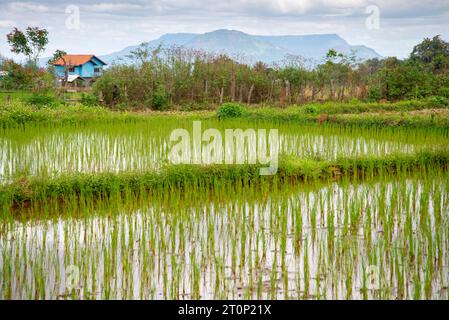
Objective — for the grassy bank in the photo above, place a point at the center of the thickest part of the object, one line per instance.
(393, 114)
(394, 117)
(360, 107)
(19, 114)
(195, 177)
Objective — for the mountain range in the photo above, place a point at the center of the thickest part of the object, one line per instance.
(269, 49)
(253, 48)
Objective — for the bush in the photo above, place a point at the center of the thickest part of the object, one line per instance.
(89, 100)
(437, 102)
(443, 92)
(160, 99)
(374, 94)
(230, 110)
(194, 106)
(310, 109)
(41, 100)
(17, 78)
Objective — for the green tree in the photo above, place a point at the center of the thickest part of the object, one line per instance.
(60, 54)
(30, 43)
(432, 52)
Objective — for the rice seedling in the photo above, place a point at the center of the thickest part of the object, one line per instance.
(144, 241)
(140, 146)
(353, 212)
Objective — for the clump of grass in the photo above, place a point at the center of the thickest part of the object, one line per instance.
(230, 110)
(42, 101)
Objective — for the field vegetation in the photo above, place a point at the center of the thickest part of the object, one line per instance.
(91, 208)
(245, 240)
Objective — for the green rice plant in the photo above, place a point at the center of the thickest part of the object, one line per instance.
(344, 199)
(111, 235)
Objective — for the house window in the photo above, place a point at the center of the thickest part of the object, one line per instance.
(96, 70)
(72, 69)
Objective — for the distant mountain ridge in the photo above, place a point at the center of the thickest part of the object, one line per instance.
(269, 49)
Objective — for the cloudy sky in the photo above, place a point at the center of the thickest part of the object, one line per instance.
(105, 26)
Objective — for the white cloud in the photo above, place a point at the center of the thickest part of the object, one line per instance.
(28, 6)
(6, 23)
(111, 7)
(118, 23)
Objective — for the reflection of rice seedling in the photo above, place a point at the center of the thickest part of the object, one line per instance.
(137, 228)
(159, 238)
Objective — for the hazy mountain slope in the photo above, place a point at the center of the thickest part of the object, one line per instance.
(253, 48)
(169, 39)
(236, 43)
(309, 46)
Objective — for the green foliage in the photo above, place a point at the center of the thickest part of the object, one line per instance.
(188, 176)
(42, 100)
(89, 100)
(20, 113)
(347, 113)
(169, 73)
(58, 54)
(432, 52)
(443, 92)
(17, 77)
(31, 43)
(131, 87)
(438, 102)
(108, 88)
(230, 110)
(311, 109)
(403, 80)
(194, 107)
(374, 94)
(361, 114)
(160, 99)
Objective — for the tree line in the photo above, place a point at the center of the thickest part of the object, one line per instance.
(160, 77)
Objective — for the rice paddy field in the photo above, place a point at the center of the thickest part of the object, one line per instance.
(94, 210)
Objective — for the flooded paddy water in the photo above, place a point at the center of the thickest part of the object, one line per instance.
(386, 237)
(49, 151)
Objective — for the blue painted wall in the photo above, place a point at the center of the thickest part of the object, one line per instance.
(86, 70)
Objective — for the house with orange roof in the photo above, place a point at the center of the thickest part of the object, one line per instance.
(83, 68)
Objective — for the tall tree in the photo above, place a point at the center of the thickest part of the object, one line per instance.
(31, 43)
(432, 52)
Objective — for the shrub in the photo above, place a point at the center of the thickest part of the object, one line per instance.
(89, 100)
(160, 99)
(194, 106)
(310, 109)
(230, 110)
(374, 94)
(437, 101)
(41, 100)
(444, 92)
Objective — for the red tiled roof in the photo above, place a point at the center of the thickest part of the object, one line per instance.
(74, 59)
